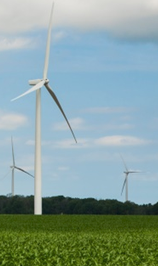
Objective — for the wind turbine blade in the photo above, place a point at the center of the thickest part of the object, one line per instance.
(132, 172)
(124, 183)
(48, 45)
(13, 152)
(124, 163)
(20, 169)
(58, 104)
(34, 88)
(6, 174)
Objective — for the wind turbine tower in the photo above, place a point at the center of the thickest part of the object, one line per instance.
(37, 85)
(125, 183)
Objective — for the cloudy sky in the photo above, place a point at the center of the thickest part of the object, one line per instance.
(104, 70)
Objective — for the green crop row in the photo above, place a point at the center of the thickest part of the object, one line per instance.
(78, 240)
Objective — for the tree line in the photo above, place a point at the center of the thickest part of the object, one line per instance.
(67, 205)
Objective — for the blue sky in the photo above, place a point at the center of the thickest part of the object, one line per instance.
(103, 69)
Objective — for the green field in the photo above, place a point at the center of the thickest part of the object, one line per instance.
(78, 240)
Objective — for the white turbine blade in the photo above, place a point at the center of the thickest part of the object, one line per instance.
(124, 163)
(13, 152)
(6, 175)
(48, 45)
(34, 88)
(58, 104)
(20, 169)
(124, 183)
(132, 172)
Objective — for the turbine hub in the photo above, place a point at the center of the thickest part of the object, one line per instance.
(46, 81)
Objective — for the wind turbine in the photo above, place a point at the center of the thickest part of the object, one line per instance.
(13, 167)
(125, 183)
(37, 85)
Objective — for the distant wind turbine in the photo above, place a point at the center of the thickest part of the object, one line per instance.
(37, 85)
(13, 167)
(125, 183)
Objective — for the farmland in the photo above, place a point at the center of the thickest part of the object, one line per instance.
(79, 240)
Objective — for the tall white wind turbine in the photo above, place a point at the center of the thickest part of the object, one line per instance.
(125, 183)
(13, 167)
(37, 85)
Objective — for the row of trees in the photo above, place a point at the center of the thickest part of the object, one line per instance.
(67, 205)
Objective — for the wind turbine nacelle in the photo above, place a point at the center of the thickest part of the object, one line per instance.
(34, 81)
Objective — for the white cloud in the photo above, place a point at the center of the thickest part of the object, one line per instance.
(63, 168)
(107, 110)
(30, 142)
(135, 19)
(14, 43)
(65, 144)
(125, 126)
(12, 121)
(76, 124)
(59, 35)
(111, 141)
(88, 143)
(121, 141)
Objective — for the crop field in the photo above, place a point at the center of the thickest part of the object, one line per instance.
(79, 240)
